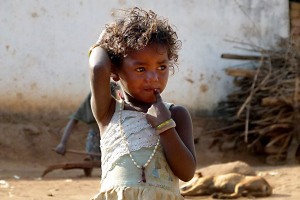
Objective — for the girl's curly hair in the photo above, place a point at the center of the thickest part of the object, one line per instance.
(135, 30)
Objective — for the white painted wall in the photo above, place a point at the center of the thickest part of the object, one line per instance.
(44, 44)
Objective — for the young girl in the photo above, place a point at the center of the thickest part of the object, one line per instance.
(146, 144)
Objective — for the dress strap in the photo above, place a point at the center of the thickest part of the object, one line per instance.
(119, 105)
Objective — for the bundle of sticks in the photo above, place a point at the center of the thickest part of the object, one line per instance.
(263, 112)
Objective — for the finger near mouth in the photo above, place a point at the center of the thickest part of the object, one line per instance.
(157, 90)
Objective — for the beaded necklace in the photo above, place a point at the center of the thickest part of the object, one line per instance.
(142, 167)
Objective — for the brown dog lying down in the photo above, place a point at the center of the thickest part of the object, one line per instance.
(227, 186)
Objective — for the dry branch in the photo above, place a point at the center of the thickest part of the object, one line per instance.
(241, 57)
(240, 72)
(85, 165)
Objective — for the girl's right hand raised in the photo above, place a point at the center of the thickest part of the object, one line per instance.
(158, 112)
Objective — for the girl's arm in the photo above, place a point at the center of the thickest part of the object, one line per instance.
(101, 100)
(178, 142)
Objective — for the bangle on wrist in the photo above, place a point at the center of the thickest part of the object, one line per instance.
(163, 124)
(170, 123)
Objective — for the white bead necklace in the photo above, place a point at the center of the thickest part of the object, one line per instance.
(126, 142)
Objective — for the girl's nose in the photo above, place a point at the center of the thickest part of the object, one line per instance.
(152, 76)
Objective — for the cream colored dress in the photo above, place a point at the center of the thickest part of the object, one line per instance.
(121, 179)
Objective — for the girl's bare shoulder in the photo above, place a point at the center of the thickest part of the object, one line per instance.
(178, 110)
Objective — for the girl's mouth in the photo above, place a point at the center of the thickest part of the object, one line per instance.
(152, 90)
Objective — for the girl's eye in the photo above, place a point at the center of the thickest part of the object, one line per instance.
(140, 69)
(162, 67)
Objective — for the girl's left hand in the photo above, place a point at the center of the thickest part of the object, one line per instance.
(158, 112)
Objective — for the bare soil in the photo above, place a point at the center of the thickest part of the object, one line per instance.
(26, 150)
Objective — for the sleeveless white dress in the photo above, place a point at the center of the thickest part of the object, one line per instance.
(121, 179)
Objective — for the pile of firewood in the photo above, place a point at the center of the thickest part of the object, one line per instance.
(263, 113)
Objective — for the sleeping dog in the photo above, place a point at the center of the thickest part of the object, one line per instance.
(227, 186)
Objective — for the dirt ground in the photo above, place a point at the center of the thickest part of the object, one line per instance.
(25, 151)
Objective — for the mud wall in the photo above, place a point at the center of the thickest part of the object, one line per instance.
(44, 44)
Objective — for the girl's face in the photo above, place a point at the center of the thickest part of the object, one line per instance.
(143, 71)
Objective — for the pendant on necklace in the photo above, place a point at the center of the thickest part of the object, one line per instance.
(143, 176)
